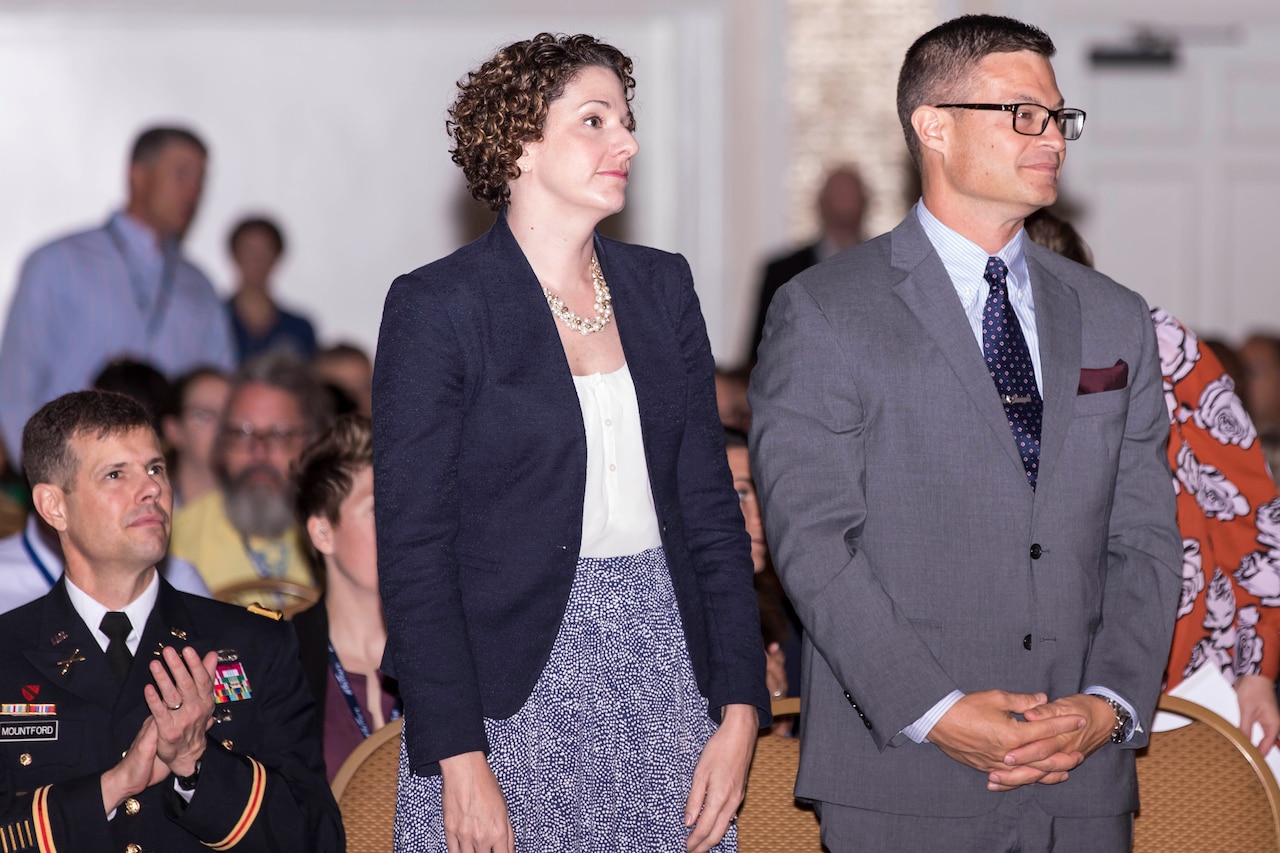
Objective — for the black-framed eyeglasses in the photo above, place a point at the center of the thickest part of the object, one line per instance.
(1033, 119)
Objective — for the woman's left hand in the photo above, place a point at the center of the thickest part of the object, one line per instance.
(720, 779)
(1257, 695)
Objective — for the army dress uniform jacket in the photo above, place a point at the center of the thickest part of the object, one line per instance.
(64, 720)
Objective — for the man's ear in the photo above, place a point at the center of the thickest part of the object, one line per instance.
(932, 127)
(321, 533)
(51, 502)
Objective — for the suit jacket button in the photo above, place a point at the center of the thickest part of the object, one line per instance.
(25, 758)
(226, 743)
(1036, 551)
(132, 806)
(133, 848)
(1026, 642)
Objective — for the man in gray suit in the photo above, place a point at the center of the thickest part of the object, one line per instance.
(959, 443)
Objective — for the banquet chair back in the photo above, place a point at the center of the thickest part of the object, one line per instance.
(272, 593)
(771, 819)
(365, 789)
(1204, 787)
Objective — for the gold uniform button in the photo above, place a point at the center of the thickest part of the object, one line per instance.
(25, 759)
(132, 806)
(133, 848)
(227, 743)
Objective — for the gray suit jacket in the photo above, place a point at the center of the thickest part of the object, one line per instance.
(906, 534)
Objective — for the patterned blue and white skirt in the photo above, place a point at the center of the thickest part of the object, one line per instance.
(601, 756)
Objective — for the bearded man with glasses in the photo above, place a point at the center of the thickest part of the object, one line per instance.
(958, 440)
(245, 529)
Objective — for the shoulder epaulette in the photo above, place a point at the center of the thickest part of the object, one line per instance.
(259, 610)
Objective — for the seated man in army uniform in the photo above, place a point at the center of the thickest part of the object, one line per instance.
(132, 716)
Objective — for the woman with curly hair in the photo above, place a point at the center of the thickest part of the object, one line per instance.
(564, 570)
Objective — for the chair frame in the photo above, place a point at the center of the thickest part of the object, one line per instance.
(1251, 754)
(367, 747)
(305, 595)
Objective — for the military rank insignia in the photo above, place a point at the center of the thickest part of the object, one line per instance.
(231, 685)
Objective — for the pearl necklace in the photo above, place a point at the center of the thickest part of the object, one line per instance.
(603, 306)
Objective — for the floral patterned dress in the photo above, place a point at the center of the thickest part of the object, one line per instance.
(1228, 514)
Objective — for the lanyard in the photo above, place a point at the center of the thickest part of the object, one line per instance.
(265, 568)
(139, 287)
(344, 684)
(36, 561)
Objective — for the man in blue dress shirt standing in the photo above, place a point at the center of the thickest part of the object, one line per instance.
(122, 289)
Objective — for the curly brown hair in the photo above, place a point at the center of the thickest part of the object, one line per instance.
(503, 104)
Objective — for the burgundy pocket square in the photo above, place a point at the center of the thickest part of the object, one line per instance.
(1094, 380)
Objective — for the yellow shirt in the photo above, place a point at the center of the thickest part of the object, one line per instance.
(203, 535)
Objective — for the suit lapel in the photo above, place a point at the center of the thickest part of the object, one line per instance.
(1058, 327)
(928, 293)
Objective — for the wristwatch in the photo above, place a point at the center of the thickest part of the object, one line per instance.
(188, 783)
(1119, 732)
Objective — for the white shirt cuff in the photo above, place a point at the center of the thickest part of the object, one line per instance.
(919, 730)
(1135, 725)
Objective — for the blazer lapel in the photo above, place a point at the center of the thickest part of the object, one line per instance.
(927, 292)
(522, 325)
(644, 327)
(1058, 327)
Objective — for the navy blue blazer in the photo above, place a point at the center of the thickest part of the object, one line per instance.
(480, 465)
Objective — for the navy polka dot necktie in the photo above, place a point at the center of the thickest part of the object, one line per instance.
(1009, 361)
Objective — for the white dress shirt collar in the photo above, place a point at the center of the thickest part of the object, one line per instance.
(138, 610)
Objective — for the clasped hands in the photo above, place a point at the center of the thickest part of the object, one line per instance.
(1052, 738)
(172, 739)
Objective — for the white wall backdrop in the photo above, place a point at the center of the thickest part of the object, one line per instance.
(331, 117)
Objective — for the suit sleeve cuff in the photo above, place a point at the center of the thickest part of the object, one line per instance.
(919, 730)
(1135, 725)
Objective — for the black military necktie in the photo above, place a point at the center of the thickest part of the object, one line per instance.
(116, 626)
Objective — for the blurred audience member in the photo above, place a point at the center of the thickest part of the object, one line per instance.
(1260, 356)
(340, 639)
(778, 624)
(122, 289)
(244, 530)
(841, 205)
(13, 497)
(1228, 514)
(139, 381)
(1058, 235)
(259, 324)
(347, 368)
(731, 399)
(1270, 440)
(190, 427)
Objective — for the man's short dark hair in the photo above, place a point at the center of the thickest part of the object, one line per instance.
(256, 223)
(46, 439)
(153, 140)
(938, 67)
